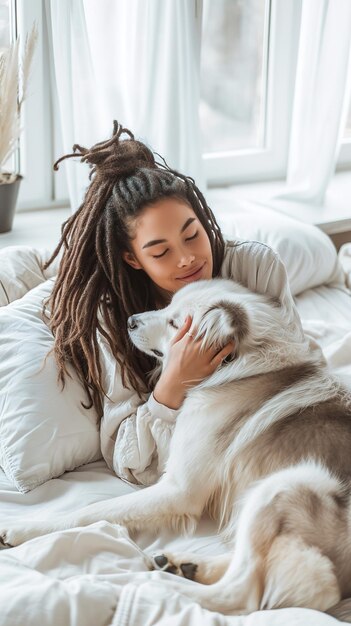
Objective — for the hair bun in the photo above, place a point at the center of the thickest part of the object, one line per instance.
(114, 158)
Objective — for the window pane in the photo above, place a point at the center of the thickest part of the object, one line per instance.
(4, 24)
(233, 74)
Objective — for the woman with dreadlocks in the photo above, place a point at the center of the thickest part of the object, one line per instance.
(142, 232)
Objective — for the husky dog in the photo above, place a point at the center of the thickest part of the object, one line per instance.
(263, 444)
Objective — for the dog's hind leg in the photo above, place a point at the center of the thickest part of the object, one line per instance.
(202, 569)
(276, 561)
(298, 575)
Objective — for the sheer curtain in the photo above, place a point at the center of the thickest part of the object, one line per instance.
(322, 94)
(136, 61)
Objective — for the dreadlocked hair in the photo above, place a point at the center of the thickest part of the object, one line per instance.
(96, 290)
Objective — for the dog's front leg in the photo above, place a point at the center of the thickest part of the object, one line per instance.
(177, 500)
(159, 505)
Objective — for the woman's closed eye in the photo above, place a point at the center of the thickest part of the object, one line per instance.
(158, 256)
(193, 236)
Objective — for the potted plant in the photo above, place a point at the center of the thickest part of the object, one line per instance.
(14, 77)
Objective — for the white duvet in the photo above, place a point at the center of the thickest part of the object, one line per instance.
(98, 575)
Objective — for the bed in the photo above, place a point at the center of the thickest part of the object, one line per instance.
(99, 575)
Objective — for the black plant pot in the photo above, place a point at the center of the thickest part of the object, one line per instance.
(8, 199)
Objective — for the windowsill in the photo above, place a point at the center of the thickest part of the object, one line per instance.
(334, 216)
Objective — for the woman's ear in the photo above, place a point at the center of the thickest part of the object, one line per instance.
(129, 258)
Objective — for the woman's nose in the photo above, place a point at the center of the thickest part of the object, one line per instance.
(186, 260)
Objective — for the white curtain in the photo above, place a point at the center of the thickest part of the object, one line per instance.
(136, 61)
(321, 101)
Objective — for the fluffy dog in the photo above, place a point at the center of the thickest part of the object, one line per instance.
(263, 444)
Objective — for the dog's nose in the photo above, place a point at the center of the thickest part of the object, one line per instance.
(132, 323)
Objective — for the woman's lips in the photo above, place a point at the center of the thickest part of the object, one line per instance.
(195, 276)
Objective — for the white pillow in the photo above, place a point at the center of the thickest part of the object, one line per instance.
(44, 431)
(21, 270)
(309, 255)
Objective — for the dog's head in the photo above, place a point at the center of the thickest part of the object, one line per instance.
(265, 334)
(220, 310)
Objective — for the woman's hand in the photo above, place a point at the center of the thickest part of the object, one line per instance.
(187, 365)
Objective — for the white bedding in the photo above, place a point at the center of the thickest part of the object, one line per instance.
(326, 312)
(97, 576)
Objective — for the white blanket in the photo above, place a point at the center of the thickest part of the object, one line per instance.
(89, 577)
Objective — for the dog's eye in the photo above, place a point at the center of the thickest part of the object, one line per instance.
(173, 324)
(157, 352)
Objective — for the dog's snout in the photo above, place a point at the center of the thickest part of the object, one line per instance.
(132, 322)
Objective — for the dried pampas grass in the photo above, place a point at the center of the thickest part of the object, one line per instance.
(14, 78)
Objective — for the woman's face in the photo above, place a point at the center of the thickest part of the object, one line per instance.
(170, 244)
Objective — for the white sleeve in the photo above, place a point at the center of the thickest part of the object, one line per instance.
(135, 432)
(256, 266)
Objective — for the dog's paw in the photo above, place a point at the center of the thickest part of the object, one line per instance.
(11, 537)
(14, 535)
(175, 564)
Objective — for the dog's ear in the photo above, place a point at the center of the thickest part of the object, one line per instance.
(223, 322)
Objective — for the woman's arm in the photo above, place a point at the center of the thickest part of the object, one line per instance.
(135, 433)
(256, 266)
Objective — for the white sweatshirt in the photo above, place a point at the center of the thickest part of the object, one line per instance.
(135, 434)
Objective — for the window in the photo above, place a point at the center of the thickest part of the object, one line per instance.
(234, 74)
(248, 61)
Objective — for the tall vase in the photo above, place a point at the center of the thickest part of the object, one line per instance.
(8, 199)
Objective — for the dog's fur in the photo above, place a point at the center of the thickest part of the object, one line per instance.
(263, 444)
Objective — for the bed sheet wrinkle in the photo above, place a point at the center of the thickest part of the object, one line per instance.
(87, 484)
(84, 563)
(149, 604)
(40, 599)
